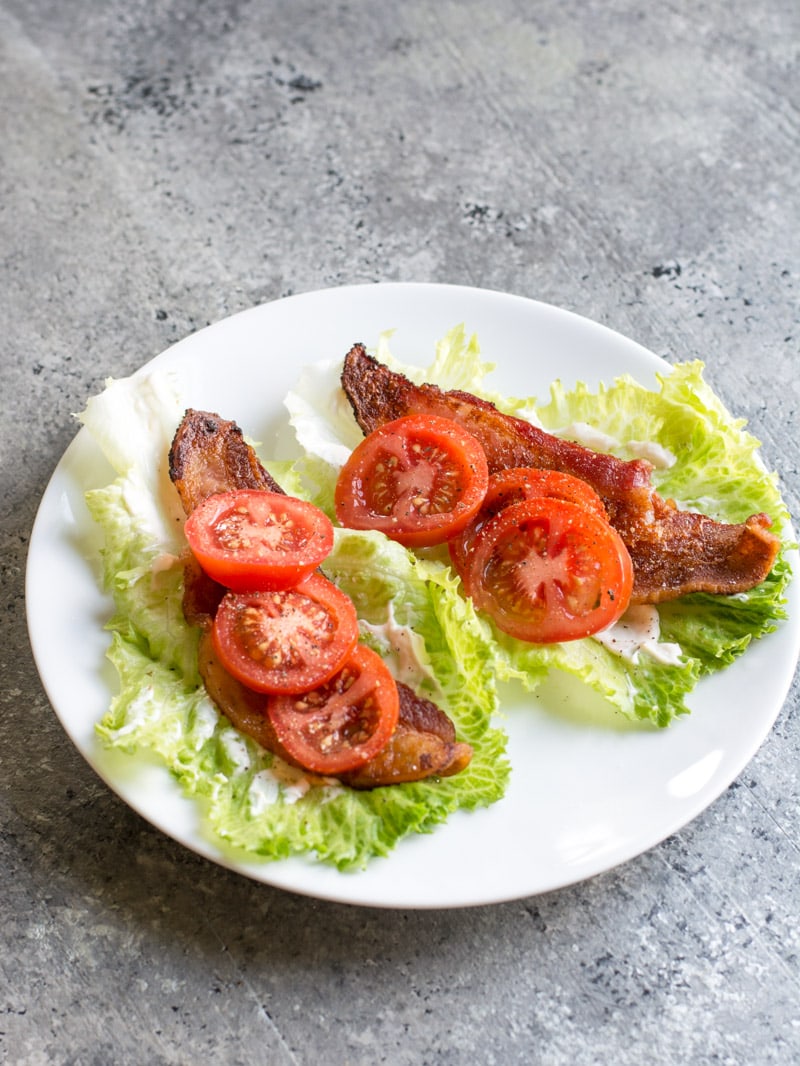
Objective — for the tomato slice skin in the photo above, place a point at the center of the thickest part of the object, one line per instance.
(514, 485)
(419, 479)
(342, 724)
(251, 540)
(547, 571)
(285, 640)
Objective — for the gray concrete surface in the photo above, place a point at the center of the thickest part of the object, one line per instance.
(164, 164)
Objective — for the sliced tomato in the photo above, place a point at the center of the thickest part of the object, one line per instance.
(342, 724)
(286, 640)
(547, 571)
(251, 540)
(514, 485)
(419, 479)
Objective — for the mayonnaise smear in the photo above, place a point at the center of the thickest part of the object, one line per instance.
(659, 457)
(582, 433)
(403, 650)
(636, 632)
(288, 784)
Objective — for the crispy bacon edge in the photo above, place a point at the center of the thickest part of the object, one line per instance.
(209, 455)
(673, 552)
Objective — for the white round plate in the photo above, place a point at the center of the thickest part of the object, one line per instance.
(585, 794)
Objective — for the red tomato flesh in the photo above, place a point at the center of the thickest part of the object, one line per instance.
(342, 724)
(547, 571)
(418, 479)
(514, 485)
(285, 640)
(252, 540)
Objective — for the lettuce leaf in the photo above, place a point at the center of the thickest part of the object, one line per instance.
(248, 797)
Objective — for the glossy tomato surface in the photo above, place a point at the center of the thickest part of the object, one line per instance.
(286, 640)
(342, 724)
(418, 479)
(546, 571)
(252, 540)
(514, 485)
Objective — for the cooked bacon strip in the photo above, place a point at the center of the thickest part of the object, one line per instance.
(423, 745)
(673, 552)
(243, 707)
(209, 455)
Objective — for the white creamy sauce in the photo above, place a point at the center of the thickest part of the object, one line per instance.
(164, 561)
(236, 749)
(405, 655)
(286, 784)
(140, 710)
(591, 437)
(637, 632)
(528, 413)
(264, 792)
(205, 722)
(658, 456)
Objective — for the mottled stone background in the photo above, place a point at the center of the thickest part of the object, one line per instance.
(166, 163)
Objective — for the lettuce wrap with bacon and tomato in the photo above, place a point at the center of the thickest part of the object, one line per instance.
(411, 605)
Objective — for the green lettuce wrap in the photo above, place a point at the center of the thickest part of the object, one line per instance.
(246, 795)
